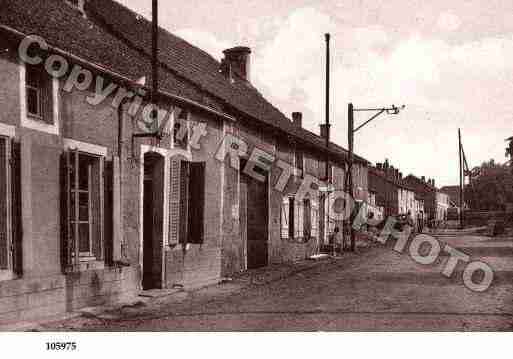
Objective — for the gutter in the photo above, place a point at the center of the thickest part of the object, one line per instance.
(124, 79)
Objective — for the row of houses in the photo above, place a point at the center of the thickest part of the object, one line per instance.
(98, 204)
(95, 208)
(395, 195)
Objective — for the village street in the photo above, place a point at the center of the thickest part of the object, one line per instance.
(376, 289)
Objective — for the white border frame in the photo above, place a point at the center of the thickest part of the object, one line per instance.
(26, 121)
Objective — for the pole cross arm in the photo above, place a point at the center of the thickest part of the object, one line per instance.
(394, 110)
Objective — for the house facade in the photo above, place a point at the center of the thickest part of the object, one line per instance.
(436, 203)
(392, 192)
(107, 189)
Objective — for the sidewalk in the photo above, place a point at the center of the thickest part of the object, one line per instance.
(144, 306)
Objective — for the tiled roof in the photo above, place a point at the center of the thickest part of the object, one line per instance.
(396, 181)
(414, 180)
(119, 39)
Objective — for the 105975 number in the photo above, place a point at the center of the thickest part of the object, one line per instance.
(68, 346)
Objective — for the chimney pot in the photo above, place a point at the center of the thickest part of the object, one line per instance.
(324, 130)
(238, 60)
(423, 179)
(297, 119)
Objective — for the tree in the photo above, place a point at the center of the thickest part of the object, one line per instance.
(509, 150)
(489, 189)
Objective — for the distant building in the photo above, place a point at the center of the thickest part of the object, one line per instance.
(436, 202)
(392, 192)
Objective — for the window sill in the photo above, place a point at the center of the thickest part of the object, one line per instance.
(87, 265)
(6, 275)
(38, 124)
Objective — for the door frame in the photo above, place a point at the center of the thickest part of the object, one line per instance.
(244, 159)
(167, 154)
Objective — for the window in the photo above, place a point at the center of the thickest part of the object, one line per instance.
(38, 87)
(299, 162)
(181, 128)
(186, 202)
(83, 209)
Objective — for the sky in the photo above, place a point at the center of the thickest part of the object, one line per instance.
(449, 62)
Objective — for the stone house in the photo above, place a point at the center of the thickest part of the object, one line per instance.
(392, 192)
(95, 207)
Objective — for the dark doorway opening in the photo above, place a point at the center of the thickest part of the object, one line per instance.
(254, 204)
(153, 220)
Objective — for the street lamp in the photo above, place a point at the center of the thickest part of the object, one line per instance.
(393, 110)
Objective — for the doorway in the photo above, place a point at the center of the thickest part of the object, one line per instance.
(153, 220)
(254, 206)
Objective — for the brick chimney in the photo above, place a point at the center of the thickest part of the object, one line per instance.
(324, 132)
(297, 119)
(237, 60)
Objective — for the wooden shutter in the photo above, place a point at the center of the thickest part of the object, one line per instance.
(108, 202)
(184, 202)
(315, 219)
(292, 218)
(307, 218)
(298, 214)
(196, 210)
(285, 218)
(17, 232)
(117, 210)
(97, 205)
(4, 239)
(174, 202)
(46, 97)
(66, 235)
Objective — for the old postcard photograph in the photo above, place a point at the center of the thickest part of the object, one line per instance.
(255, 166)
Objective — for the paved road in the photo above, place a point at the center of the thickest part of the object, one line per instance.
(378, 289)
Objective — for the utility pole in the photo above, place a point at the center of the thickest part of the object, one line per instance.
(350, 143)
(393, 110)
(327, 129)
(461, 178)
(154, 58)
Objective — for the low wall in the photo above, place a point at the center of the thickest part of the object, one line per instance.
(481, 218)
(36, 297)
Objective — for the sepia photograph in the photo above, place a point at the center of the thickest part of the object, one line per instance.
(294, 167)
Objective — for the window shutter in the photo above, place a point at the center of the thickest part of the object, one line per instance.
(4, 260)
(315, 219)
(184, 205)
(66, 228)
(285, 217)
(299, 219)
(17, 233)
(174, 202)
(108, 202)
(97, 198)
(292, 218)
(117, 216)
(46, 97)
(197, 202)
(307, 218)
